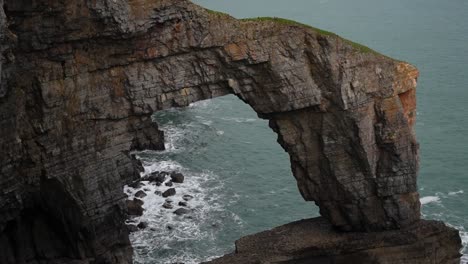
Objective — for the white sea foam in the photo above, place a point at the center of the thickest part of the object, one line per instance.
(167, 234)
(455, 193)
(157, 236)
(464, 237)
(429, 199)
(239, 119)
(201, 104)
(172, 135)
(464, 259)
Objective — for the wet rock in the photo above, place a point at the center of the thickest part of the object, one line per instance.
(142, 225)
(157, 177)
(168, 205)
(158, 184)
(158, 192)
(134, 207)
(136, 185)
(177, 177)
(184, 203)
(132, 228)
(169, 184)
(181, 211)
(140, 194)
(169, 192)
(169, 200)
(187, 197)
(316, 241)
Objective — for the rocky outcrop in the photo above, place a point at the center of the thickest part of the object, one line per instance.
(80, 80)
(315, 241)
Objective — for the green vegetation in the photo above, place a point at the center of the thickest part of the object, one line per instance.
(217, 13)
(284, 21)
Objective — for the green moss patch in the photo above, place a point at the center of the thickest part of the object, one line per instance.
(289, 22)
(217, 13)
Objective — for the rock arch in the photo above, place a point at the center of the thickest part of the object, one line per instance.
(81, 80)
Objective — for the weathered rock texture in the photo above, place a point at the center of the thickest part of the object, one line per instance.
(80, 80)
(315, 241)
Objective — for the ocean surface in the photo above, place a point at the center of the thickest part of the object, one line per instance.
(240, 178)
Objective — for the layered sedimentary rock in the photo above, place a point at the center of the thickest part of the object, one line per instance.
(315, 241)
(80, 80)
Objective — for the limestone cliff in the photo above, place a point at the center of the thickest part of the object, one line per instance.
(80, 80)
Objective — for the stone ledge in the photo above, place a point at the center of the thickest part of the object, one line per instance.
(315, 241)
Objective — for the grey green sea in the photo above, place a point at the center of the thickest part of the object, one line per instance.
(240, 177)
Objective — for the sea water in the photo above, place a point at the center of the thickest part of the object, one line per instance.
(240, 178)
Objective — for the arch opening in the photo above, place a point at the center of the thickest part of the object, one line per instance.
(238, 177)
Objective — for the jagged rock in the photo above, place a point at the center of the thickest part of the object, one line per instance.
(140, 194)
(177, 177)
(132, 228)
(157, 177)
(134, 207)
(142, 225)
(315, 241)
(184, 204)
(81, 79)
(169, 184)
(169, 192)
(181, 211)
(187, 197)
(168, 205)
(136, 185)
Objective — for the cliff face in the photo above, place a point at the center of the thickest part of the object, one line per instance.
(80, 81)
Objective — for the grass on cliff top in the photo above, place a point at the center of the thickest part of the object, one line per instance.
(217, 13)
(284, 21)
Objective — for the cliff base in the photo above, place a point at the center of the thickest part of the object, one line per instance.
(315, 241)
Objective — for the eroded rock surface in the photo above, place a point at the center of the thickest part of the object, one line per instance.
(315, 241)
(80, 80)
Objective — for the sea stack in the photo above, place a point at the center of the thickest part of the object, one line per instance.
(81, 79)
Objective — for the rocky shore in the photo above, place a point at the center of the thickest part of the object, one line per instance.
(139, 189)
(81, 79)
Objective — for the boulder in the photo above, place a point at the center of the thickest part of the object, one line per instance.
(142, 225)
(136, 185)
(167, 205)
(135, 207)
(177, 177)
(140, 194)
(181, 211)
(156, 177)
(132, 228)
(187, 197)
(169, 192)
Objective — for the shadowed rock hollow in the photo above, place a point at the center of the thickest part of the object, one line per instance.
(80, 80)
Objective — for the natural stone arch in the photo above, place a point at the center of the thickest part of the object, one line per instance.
(342, 112)
(80, 95)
